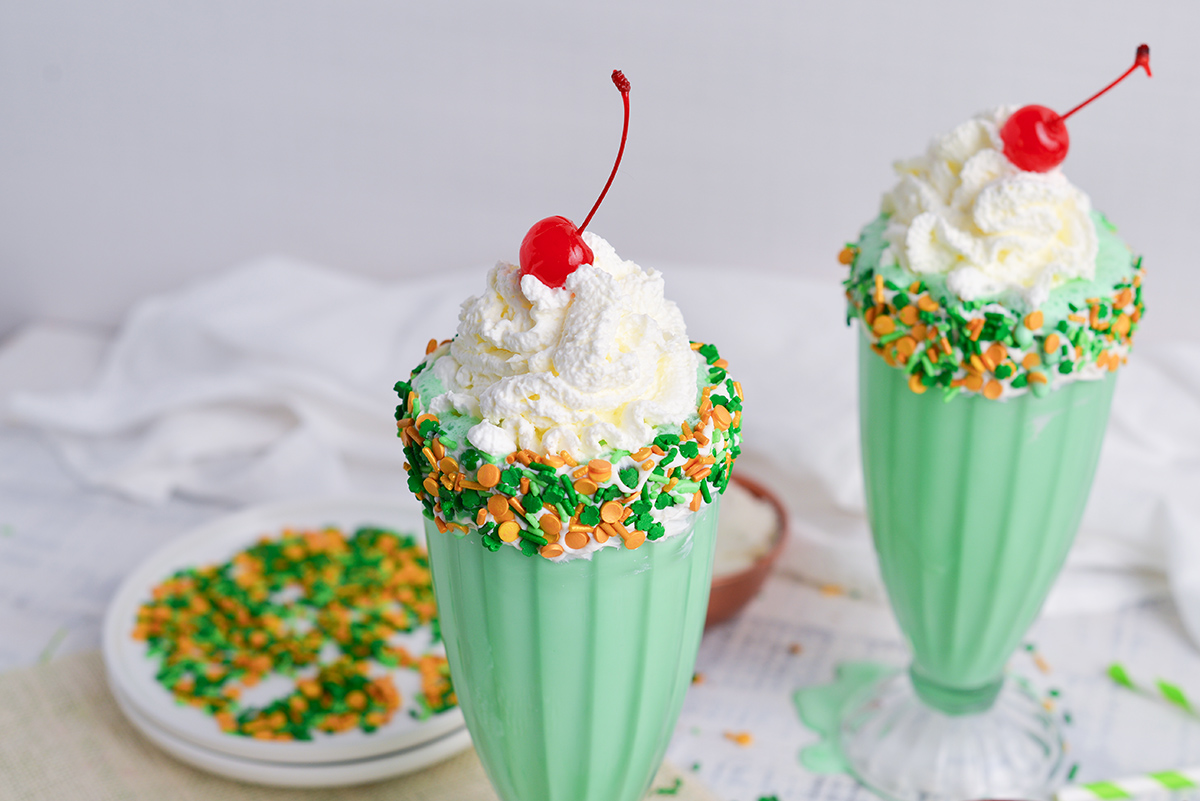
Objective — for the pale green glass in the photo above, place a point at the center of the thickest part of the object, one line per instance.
(973, 505)
(571, 676)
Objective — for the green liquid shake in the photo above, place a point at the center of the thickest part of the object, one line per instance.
(572, 675)
(973, 505)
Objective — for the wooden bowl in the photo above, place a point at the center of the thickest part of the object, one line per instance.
(733, 591)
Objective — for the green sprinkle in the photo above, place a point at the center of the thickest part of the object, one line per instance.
(892, 337)
(532, 536)
(543, 468)
(705, 492)
(1173, 694)
(1117, 673)
(672, 790)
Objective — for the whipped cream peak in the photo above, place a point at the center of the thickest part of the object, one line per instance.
(595, 365)
(995, 231)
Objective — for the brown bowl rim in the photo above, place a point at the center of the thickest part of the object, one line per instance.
(761, 492)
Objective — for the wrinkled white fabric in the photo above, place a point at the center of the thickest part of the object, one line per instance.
(274, 380)
(962, 209)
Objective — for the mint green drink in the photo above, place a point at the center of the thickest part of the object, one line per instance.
(572, 676)
(973, 506)
(995, 308)
(569, 446)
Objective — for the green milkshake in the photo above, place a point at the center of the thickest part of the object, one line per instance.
(570, 446)
(995, 308)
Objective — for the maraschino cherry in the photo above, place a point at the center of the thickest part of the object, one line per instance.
(1035, 137)
(554, 247)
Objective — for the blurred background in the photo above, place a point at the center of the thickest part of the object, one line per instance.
(144, 145)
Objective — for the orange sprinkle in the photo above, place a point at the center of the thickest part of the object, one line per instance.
(585, 486)
(1034, 320)
(481, 516)
(997, 352)
(431, 346)
(721, 417)
(883, 325)
(551, 550)
(599, 470)
(431, 485)
(648, 465)
(524, 485)
(1051, 344)
(551, 525)
(447, 464)
(993, 390)
(508, 531)
(832, 589)
(554, 461)
(576, 540)
(846, 256)
(908, 315)
(697, 499)
(497, 505)
(927, 304)
(742, 738)
(1037, 377)
(611, 512)
(489, 475)
(1122, 324)
(601, 536)
(634, 539)
(640, 454)
(914, 383)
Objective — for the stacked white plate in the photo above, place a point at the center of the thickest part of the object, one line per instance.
(405, 744)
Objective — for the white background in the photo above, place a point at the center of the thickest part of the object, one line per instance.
(144, 144)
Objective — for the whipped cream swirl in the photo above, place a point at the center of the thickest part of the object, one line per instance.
(594, 365)
(965, 211)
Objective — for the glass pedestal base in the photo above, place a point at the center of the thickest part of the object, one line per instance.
(905, 750)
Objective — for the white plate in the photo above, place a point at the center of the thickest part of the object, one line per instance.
(276, 774)
(131, 672)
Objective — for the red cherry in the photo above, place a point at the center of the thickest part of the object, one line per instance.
(554, 247)
(1035, 137)
(552, 250)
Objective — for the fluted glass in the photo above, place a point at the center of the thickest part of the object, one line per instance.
(571, 676)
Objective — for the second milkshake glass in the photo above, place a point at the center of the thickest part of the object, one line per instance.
(973, 506)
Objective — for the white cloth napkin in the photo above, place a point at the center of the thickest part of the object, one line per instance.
(274, 380)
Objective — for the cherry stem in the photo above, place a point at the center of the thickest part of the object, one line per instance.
(1141, 60)
(622, 83)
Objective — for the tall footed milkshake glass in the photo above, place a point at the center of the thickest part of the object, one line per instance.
(570, 446)
(984, 392)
